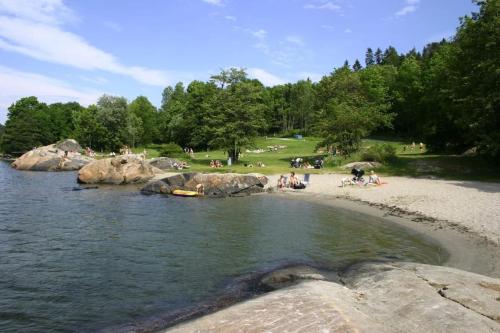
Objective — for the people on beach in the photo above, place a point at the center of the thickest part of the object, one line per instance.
(358, 175)
(374, 179)
(281, 182)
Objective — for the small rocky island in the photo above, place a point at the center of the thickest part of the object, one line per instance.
(62, 156)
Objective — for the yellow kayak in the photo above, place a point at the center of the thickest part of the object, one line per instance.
(183, 193)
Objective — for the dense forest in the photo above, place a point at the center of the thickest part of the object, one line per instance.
(446, 95)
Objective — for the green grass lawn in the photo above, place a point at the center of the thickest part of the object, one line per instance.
(407, 162)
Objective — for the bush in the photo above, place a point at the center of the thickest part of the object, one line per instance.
(379, 153)
(171, 150)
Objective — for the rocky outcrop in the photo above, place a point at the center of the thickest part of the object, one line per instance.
(164, 163)
(62, 156)
(215, 184)
(124, 169)
(383, 297)
(362, 165)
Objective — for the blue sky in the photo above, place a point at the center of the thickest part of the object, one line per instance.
(64, 50)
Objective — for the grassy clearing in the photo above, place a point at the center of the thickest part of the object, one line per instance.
(407, 162)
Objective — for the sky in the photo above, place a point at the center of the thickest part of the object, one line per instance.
(78, 50)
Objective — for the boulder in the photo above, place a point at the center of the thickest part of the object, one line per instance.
(362, 165)
(52, 158)
(374, 297)
(164, 163)
(215, 184)
(68, 145)
(123, 169)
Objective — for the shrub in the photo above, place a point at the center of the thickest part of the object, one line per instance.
(171, 150)
(379, 153)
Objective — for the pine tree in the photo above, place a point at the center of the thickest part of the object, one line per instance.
(357, 66)
(369, 60)
(378, 56)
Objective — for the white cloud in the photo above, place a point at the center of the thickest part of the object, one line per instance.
(42, 11)
(214, 2)
(411, 6)
(265, 77)
(329, 5)
(347, 31)
(230, 18)
(297, 40)
(260, 34)
(43, 39)
(328, 27)
(15, 84)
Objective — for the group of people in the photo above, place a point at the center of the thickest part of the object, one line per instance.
(413, 146)
(300, 163)
(189, 151)
(358, 178)
(216, 164)
(293, 182)
(181, 165)
(89, 152)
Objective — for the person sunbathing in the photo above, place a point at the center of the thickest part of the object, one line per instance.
(374, 179)
(281, 182)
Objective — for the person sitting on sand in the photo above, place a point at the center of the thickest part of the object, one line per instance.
(212, 164)
(281, 182)
(374, 179)
(293, 180)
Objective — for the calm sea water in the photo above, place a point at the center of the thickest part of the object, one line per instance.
(87, 260)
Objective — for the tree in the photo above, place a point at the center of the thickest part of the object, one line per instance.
(378, 56)
(391, 57)
(350, 106)
(61, 119)
(239, 114)
(112, 113)
(172, 113)
(89, 132)
(142, 108)
(357, 66)
(369, 60)
(27, 126)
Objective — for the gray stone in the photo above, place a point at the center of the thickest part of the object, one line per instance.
(215, 184)
(376, 297)
(164, 163)
(52, 158)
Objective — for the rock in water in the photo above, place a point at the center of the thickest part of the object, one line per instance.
(125, 169)
(52, 158)
(215, 184)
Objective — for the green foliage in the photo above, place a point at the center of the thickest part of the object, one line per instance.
(171, 150)
(379, 153)
(28, 125)
(144, 127)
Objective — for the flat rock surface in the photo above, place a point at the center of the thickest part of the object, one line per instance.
(387, 297)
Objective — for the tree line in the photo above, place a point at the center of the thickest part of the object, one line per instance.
(446, 95)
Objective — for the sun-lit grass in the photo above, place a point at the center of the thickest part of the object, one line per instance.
(407, 162)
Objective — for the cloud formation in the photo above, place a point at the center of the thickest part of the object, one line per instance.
(265, 77)
(214, 2)
(322, 5)
(411, 6)
(15, 84)
(40, 35)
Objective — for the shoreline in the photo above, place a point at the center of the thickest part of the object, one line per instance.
(465, 250)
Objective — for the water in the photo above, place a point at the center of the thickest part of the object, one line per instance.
(86, 260)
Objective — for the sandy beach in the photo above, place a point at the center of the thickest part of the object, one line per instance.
(468, 206)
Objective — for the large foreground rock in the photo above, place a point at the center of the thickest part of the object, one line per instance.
(52, 158)
(397, 297)
(215, 184)
(124, 169)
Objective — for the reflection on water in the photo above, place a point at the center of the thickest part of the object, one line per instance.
(83, 260)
